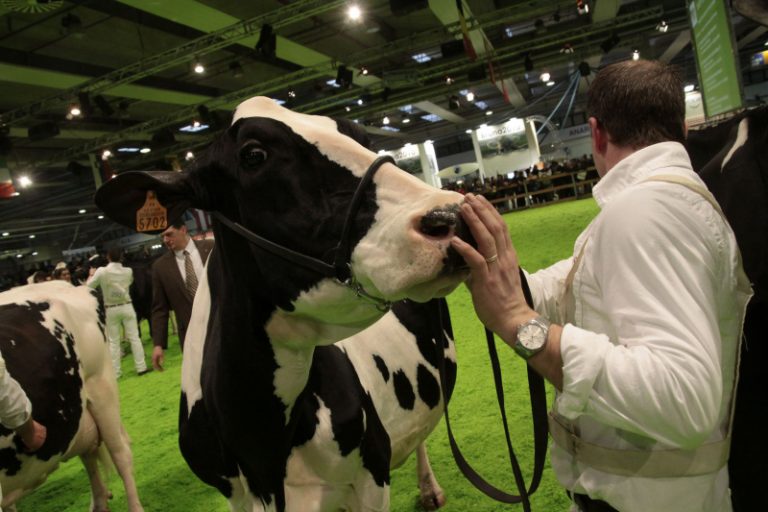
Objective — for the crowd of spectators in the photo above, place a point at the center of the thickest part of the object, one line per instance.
(525, 187)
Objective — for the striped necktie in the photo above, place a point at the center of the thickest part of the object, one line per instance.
(191, 277)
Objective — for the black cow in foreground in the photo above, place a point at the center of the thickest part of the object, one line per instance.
(274, 412)
(52, 340)
(732, 159)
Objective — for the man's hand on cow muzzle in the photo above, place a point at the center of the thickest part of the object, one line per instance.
(32, 434)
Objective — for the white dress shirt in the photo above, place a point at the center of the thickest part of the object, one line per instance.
(659, 301)
(15, 407)
(197, 261)
(115, 281)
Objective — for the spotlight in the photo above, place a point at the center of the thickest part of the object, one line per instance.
(267, 45)
(81, 211)
(85, 103)
(528, 62)
(104, 106)
(199, 68)
(100, 217)
(291, 93)
(25, 181)
(236, 69)
(196, 124)
(5, 233)
(106, 154)
(354, 13)
(348, 108)
(406, 120)
(470, 96)
(71, 23)
(360, 101)
(74, 110)
(567, 48)
(344, 76)
(448, 80)
(189, 156)
(363, 70)
(145, 150)
(489, 112)
(31, 236)
(582, 7)
(610, 43)
(662, 26)
(545, 77)
(550, 83)
(636, 55)
(385, 120)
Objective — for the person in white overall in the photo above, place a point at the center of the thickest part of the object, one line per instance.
(16, 413)
(640, 330)
(115, 281)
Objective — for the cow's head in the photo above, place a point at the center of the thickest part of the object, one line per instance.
(290, 178)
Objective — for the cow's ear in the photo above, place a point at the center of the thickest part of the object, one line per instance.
(124, 195)
(354, 131)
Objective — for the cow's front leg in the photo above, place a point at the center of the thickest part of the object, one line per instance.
(368, 496)
(431, 494)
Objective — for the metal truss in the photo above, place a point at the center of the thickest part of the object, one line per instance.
(582, 36)
(284, 16)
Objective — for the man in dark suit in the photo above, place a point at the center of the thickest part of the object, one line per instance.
(175, 276)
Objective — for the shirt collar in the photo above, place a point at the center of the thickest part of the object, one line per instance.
(113, 264)
(638, 166)
(190, 248)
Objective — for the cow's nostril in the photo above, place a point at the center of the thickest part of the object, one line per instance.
(439, 222)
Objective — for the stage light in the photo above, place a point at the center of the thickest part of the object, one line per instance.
(567, 48)
(31, 237)
(25, 181)
(81, 211)
(550, 83)
(348, 108)
(199, 68)
(291, 93)
(470, 96)
(636, 55)
(100, 217)
(545, 77)
(354, 13)
(189, 156)
(489, 112)
(363, 70)
(582, 7)
(662, 26)
(74, 110)
(145, 150)
(5, 233)
(106, 154)
(385, 120)
(406, 120)
(448, 80)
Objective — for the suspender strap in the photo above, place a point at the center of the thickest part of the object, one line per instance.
(705, 459)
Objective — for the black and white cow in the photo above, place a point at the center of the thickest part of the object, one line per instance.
(52, 340)
(732, 159)
(275, 413)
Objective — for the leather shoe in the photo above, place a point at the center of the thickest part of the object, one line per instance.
(144, 372)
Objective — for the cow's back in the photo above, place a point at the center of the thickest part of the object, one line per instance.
(40, 327)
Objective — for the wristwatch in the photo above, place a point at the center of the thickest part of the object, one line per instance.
(531, 337)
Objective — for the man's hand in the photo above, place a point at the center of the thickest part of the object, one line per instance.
(494, 282)
(32, 434)
(158, 358)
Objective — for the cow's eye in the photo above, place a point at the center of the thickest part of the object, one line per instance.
(252, 155)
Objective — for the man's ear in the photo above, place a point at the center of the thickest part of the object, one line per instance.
(121, 197)
(599, 136)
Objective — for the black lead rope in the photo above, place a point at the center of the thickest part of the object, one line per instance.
(538, 412)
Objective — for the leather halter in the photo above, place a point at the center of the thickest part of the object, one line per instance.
(340, 268)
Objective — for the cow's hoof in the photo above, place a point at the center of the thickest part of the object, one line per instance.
(432, 501)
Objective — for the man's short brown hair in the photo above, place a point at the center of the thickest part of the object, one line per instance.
(638, 103)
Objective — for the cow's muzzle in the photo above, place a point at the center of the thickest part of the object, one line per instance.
(443, 223)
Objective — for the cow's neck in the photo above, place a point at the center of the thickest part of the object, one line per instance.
(295, 334)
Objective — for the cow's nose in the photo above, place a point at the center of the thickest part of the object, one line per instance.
(443, 223)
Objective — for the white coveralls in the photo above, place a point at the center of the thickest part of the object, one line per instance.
(115, 280)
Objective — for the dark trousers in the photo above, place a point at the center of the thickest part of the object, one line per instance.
(587, 504)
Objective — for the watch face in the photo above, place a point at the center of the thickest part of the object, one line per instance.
(532, 336)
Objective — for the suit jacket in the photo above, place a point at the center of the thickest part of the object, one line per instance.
(170, 293)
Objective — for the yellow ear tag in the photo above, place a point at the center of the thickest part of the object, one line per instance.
(152, 216)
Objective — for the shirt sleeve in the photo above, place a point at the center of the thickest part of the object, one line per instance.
(547, 288)
(15, 407)
(95, 280)
(661, 377)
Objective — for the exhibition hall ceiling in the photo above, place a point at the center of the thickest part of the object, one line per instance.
(129, 66)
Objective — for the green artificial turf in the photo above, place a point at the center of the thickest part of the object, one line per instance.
(542, 236)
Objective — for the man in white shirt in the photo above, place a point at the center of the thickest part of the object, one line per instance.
(115, 282)
(16, 413)
(638, 331)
